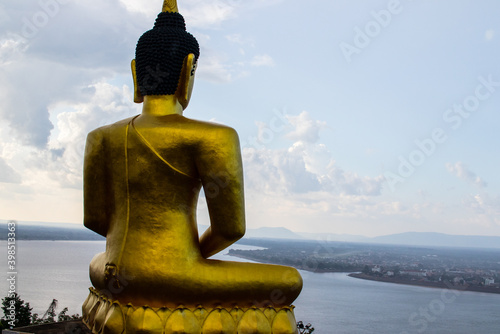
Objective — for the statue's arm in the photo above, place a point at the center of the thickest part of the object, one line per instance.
(96, 204)
(221, 173)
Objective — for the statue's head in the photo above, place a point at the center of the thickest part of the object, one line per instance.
(165, 58)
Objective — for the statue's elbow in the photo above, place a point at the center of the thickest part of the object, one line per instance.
(94, 226)
(239, 234)
(233, 235)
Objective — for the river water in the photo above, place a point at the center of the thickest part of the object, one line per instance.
(333, 302)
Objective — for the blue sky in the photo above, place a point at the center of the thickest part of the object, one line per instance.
(358, 117)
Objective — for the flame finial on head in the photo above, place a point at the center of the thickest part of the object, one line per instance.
(170, 6)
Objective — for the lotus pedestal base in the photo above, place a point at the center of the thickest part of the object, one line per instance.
(103, 315)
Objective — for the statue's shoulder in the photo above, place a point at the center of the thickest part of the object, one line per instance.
(204, 128)
(105, 130)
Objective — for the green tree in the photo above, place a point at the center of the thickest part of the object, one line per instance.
(62, 316)
(35, 319)
(366, 270)
(16, 312)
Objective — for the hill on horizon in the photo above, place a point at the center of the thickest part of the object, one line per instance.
(66, 231)
(49, 231)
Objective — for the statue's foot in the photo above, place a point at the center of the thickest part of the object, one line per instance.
(102, 315)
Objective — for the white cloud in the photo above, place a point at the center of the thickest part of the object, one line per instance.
(306, 129)
(52, 175)
(151, 8)
(200, 13)
(10, 49)
(278, 171)
(489, 34)
(305, 167)
(485, 209)
(462, 172)
(216, 67)
(205, 14)
(303, 183)
(262, 60)
(235, 38)
(63, 159)
(70, 61)
(60, 161)
(213, 68)
(78, 45)
(8, 174)
(25, 103)
(210, 13)
(242, 42)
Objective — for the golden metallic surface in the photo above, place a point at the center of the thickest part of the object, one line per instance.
(170, 6)
(142, 179)
(119, 318)
(138, 98)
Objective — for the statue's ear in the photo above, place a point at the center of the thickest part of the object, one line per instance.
(186, 81)
(138, 98)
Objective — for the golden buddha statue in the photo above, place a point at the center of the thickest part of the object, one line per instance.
(142, 177)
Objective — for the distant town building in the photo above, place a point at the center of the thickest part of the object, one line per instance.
(416, 273)
(489, 281)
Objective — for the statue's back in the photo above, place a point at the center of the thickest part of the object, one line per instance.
(142, 178)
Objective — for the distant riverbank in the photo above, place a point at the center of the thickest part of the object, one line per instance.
(396, 280)
(60, 270)
(305, 268)
(428, 284)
